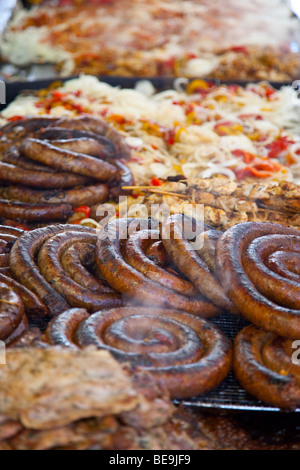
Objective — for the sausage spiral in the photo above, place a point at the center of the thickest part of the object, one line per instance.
(41, 261)
(11, 311)
(8, 236)
(190, 263)
(67, 162)
(245, 257)
(34, 308)
(15, 299)
(97, 126)
(85, 195)
(263, 365)
(127, 269)
(34, 212)
(16, 169)
(186, 354)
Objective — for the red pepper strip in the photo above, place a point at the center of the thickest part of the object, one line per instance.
(276, 147)
(58, 95)
(247, 156)
(242, 49)
(156, 182)
(15, 118)
(170, 136)
(233, 88)
(84, 209)
(242, 173)
(270, 92)
(261, 169)
(257, 117)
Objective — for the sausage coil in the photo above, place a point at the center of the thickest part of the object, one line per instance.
(8, 236)
(11, 311)
(186, 354)
(34, 212)
(189, 262)
(59, 161)
(245, 258)
(66, 160)
(262, 364)
(146, 287)
(57, 290)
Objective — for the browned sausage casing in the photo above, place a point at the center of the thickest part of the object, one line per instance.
(39, 179)
(186, 354)
(24, 268)
(85, 195)
(46, 277)
(34, 212)
(77, 294)
(8, 236)
(268, 299)
(190, 264)
(11, 311)
(34, 308)
(61, 330)
(263, 365)
(133, 284)
(98, 126)
(79, 163)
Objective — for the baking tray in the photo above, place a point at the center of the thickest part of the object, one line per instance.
(13, 89)
(229, 395)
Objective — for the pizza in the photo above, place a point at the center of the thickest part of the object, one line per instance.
(224, 40)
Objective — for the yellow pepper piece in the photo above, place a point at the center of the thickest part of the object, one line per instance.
(195, 84)
(152, 128)
(231, 130)
(221, 98)
(178, 133)
(177, 168)
(255, 136)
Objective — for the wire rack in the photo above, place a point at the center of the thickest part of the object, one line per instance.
(229, 395)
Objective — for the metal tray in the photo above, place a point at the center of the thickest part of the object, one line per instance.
(229, 395)
(13, 89)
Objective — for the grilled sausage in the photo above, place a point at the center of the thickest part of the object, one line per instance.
(34, 212)
(57, 290)
(11, 311)
(263, 365)
(10, 173)
(24, 268)
(16, 130)
(65, 160)
(92, 124)
(190, 264)
(269, 300)
(85, 195)
(60, 134)
(61, 330)
(34, 308)
(8, 236)
(185, 354)
(134, 254)
(132, 283)
(77, 294)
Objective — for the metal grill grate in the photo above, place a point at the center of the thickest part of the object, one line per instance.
(229, 395)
